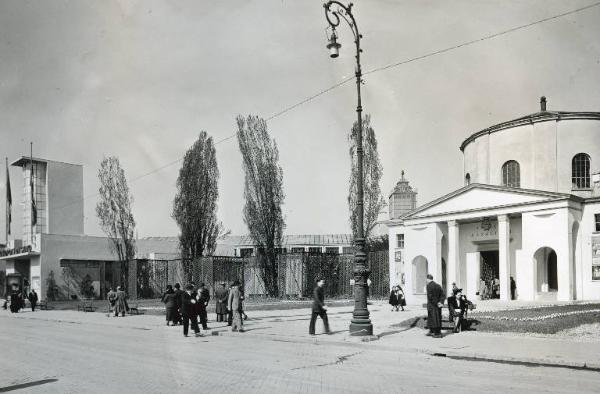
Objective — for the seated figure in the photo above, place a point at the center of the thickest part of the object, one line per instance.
(457, 308)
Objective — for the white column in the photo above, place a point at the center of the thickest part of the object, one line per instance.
(453, 256)
(473, 275)
(504, 256)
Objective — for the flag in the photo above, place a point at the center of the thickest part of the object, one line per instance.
(8, 203)
(33, 206)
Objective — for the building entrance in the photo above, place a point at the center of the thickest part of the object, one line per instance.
(490, 272)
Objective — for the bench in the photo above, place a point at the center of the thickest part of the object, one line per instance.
(135, 310)
(86, 305)
(43, 305)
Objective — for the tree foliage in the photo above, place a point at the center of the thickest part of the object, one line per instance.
(263, 192)
(195, 204)
(372, 173)
(114, 211)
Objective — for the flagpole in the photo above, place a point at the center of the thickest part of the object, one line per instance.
(6, 205)
(31, 186)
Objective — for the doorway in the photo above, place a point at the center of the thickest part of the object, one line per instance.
(490, 272)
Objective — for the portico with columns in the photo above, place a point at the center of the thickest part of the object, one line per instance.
(484, 233)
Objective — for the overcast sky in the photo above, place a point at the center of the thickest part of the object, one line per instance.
(141, 79)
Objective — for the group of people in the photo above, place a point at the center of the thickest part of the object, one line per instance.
(397, 299)
(185, 307)
(117, 301)
(16, 300)
(491, 289)
(458, 306)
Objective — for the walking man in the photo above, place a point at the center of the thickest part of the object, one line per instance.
(435, 301)
(188, 310)
(33, 299)
(121, 302)
(203, 299)
(319, 308)
(221, 296)
(178, 295)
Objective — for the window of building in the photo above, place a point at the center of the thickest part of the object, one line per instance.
(246, 252)
(297, 250)
(597, 220)
(580, 171)
(332, 250)
(348, 250)
(511, 174)
(400, 241)
(314, 250)
(467, 179)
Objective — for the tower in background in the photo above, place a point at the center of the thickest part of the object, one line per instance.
(403, 199)
(58, 195)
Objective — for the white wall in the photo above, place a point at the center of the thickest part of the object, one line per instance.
(543, 150)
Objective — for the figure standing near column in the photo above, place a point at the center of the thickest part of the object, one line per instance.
(513, 288)
(435, 301)
(319, 308)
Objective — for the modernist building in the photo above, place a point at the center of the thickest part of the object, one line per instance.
(530, 209)
(55, 248)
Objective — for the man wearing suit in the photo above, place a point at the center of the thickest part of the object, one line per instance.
(221, 296)
(319, 308)
(435, 301)
(188, 310)
(203, 299)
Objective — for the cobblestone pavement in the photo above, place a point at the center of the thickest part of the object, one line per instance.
(70, 352)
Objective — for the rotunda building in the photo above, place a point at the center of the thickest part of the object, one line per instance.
(555, 151)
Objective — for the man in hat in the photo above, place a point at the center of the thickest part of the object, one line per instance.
(233, 304)
(178, 295)
(202, 304)
(221, 296)
(435, 301)
(33, 299)
(188, 310)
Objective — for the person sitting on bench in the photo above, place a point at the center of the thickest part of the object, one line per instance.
(457, 308)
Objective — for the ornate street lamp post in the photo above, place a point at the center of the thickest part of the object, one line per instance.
(360, 324)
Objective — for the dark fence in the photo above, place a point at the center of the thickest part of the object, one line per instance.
(296, 274)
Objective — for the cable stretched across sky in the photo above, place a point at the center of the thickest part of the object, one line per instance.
(372, 71)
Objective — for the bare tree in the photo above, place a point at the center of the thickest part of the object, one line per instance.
(372, 172)
(195, 204)
(114, 211)
(263, 191)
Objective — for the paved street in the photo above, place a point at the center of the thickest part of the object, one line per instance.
(69, 352)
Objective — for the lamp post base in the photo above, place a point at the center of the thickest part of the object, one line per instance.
(361, 327)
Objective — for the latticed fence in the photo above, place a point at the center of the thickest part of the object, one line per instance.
(297, 274)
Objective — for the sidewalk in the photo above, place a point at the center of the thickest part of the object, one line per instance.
(291, 325)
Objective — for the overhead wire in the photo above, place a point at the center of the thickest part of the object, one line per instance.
(372, 71)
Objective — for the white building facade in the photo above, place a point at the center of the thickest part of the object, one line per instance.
(530, 210)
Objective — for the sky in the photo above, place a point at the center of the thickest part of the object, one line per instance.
(141, 79)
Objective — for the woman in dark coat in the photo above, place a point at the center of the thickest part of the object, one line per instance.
(170, 300)
(397, 298)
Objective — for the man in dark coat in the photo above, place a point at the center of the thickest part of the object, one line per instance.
(319, 308)
(202, 304)
(221, 297)
(178, 295)
(33, 299)
(435, 301)
(188, 310)
(513, 288)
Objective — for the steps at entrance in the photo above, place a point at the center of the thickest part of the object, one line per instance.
(546, 296)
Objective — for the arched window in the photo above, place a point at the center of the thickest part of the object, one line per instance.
(511, 174)
(467, 179)
(580, 171)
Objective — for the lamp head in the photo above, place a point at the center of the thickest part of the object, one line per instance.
(333, 46)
